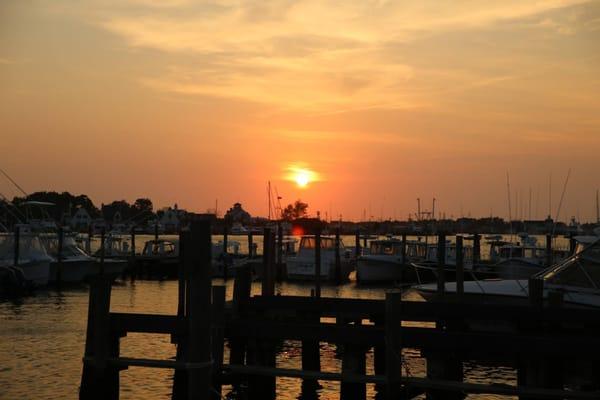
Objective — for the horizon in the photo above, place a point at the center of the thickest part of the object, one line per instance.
(355, 108)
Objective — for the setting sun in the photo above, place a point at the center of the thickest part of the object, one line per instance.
(302, 176)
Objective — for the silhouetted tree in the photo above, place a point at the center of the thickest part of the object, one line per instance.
(294, 211)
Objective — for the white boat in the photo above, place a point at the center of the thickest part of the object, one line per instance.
(519, 260)
(383, 262)
(302, 265)
(427, 270)
(577, 277)
(75, 264)
(33, 259)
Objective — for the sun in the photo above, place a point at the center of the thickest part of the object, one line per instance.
(302, 177)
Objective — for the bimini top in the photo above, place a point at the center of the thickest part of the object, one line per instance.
(580, 270)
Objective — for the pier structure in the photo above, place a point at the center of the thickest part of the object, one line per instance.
(546, 343)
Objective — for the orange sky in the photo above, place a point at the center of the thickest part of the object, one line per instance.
(387, 101)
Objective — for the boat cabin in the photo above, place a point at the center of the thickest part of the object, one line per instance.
(161, 248)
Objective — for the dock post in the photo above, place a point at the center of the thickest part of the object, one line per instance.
(353, 362)
(156, 231)
(536, 292)
(357, 244)
(404, 261)
(549, 258)
(250, 245)
(441, 258)
(279, 262)
(99, 380)
(59, 256)
(268, 279)
(133, 243)
(198, 344)
(311, 357)
(241, 296)
(318, 263)
(338, 261)
(572, 245)
(393, 345)
(102, 249)
(88, 242)
(17, 246)
(218, 344)
(476, 248)
(460, 267)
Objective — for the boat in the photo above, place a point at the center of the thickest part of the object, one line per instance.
(383, 261)
(577, 278)
(74, 265)
(427, 270)
(518, 260)
(159, 259)
(33, 260)
(302, 265)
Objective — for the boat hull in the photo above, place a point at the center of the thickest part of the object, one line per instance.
(374, 271)
(37, 273)
(304, 269)
(71, 271)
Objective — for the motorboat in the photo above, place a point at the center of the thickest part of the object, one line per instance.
(302, 266)
(74, 264)
(577, 278)
(159, 259)
(383, 262)
(33, 260)
(427, 270)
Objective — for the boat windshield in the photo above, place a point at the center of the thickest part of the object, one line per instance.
(30, 248)
(308, 243)
(581, 270)
(69, 248)
(386, 247)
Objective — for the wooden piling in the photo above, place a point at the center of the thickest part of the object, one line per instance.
(102, 249)
(59, 256)
(225, 238)
(88, 242)
(241, 296)
(338, 261)
(318, 263)
(133, 243)
(353, 362)
(536, 292)
(476, 248)
(393, 345)
(279, 261)
(99, 379)
(268, 279)
(549, 257)
(17, 246)
(441, 264)
(250, 245)
(572, 245)
(218, 342)
(156, 232)
(357, 244)
(460, 267)
(198, 349)
(404, 260)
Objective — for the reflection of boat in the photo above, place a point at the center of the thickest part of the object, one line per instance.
(33, 259)
(302, 266)
(75, 264)
(383, 262)
(577, 277)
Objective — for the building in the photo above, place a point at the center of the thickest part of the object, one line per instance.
(81, 220)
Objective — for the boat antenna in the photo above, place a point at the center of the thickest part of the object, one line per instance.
(509, 204)
(562, 196)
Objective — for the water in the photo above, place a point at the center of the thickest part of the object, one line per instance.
(42, 342)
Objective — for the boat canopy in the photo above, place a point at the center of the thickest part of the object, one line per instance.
(308, 242)
(69, 247)
(30, 248)
(581, 270)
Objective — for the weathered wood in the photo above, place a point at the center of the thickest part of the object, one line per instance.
(268, 279)
(404, 260)
(393, 344)
(460, 267)
(353, 362)
(218, 343)
(549, 256)
(318, 263)
(99, 380)
(338, 261)
(536, 292)
(357, 243)
(17, 248)
(441, 265)
(250, 245)
(241, 297)
(476, 248)
(133, 243)
(59, 256)
(279, 261)
(311, 352)
(102, 249)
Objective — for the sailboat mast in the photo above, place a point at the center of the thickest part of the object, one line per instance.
(269, 196)
(597, 208)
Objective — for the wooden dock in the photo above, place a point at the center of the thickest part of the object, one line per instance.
(539, 340)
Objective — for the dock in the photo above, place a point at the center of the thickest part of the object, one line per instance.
(539, 339)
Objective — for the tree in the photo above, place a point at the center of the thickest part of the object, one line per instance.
(294, 211)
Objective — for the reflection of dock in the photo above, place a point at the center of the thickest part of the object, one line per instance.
(539, 339)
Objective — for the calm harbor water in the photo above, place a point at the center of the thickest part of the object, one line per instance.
(42, 341)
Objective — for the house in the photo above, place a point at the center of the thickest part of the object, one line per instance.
(81, 220)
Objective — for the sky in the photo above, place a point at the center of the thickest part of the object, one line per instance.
(383, 102)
